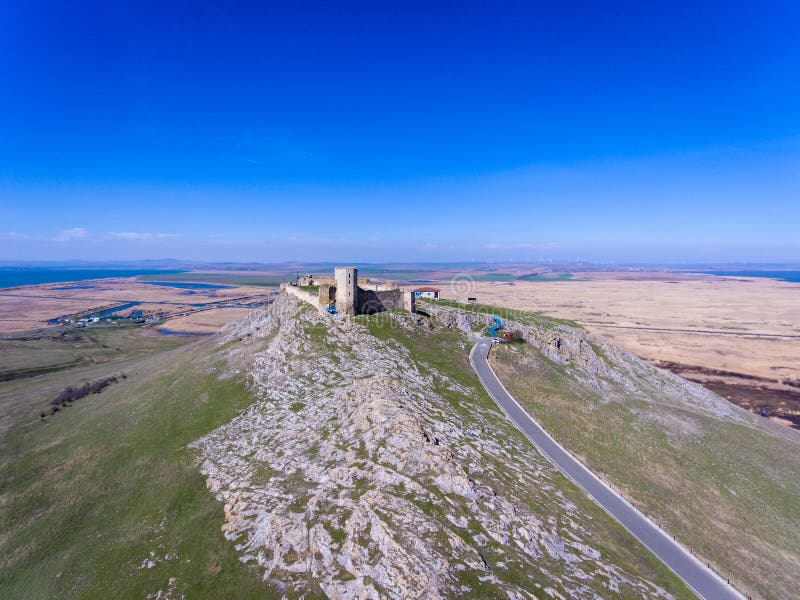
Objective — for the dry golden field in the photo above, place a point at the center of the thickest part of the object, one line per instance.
(31, 307)
(743, 325)
(206, 321)
(738, 336)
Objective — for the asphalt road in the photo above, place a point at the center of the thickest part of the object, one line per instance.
(702, 580)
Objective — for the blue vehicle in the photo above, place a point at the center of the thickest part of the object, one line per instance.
(493, 329)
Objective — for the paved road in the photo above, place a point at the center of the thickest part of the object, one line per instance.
(702, 580)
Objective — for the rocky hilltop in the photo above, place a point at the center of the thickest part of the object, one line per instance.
(365, 471)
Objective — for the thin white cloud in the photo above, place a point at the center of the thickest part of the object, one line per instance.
(13, 235)
(75, 233)
(130, 235)
(140, 236)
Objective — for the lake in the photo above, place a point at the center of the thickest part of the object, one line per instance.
(791, 276)
(34, 276)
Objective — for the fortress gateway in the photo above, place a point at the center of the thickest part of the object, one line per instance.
(341, 294)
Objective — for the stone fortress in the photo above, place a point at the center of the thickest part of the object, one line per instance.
(342, 294)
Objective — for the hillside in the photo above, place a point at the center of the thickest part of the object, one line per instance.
(374, 466)
(725, 482)
(103, 500)
(353, 458)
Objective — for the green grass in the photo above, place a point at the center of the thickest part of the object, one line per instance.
(545, 277)
(729, 491)
(442, 349)
(337, 535)
(84, 496)
(54, 362)
(493, 277)
(311, 289)
(318, 335)
(28, 355)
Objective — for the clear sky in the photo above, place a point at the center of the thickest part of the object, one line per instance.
(375, 131)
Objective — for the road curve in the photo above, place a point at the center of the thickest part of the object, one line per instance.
(702, 580)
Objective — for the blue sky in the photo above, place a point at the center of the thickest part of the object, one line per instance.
(400, 131)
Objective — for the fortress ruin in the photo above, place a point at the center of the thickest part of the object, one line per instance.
(342, 294)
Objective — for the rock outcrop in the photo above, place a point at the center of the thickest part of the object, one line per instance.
(371, 475)
(560, 343)
(592, 360)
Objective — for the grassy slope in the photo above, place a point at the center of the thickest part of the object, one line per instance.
(35, 367)
(448, 352)
(729, 491)
(87, 496)
(31, 354)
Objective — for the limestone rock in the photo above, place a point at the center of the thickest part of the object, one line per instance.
(366, 474)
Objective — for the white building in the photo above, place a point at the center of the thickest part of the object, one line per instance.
(427, 292)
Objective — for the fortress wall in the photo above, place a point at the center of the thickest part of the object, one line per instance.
(378, 287)
(327, 293)
(354, 300)
(372, 301)
(312, 299)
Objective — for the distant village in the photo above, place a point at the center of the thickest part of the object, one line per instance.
(104, 316)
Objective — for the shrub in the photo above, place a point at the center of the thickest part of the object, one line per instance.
(70, 394)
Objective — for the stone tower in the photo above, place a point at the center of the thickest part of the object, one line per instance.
(346, 290)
